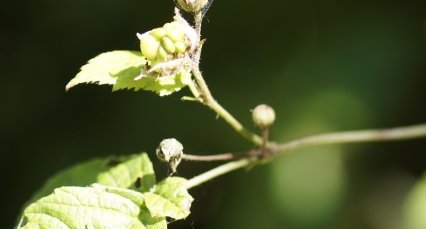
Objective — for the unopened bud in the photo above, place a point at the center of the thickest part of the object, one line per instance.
(192, 5)
(168, 42)
(263, 116)
(170, 151)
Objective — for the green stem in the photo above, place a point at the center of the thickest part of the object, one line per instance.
(393, 134)
(206, 95)
(400, 133)
(218, 171)
(222, 112)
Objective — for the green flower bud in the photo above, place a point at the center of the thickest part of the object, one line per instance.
(149, 46)
(192, 5)
(180, 47)
(170, 151)
(168, 42)
(263, 116)
(158, 33)
(162, 54)
(168, 45)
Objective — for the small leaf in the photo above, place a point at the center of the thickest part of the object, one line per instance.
(127, 70)
(415, 207)
(87, 207)
(164, 85)
(107, 67)
(125, 171)
(169, 198)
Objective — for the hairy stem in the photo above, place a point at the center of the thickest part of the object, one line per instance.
(208, 98)
(394, 134)
(222, 112)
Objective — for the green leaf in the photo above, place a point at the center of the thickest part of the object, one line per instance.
(122, 68)
(126, 174)
(107, 67)
(164, 85)
(169, 198)
(87, 207)
(415, 207)
(121, 172)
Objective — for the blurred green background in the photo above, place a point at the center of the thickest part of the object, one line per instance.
(327, 65)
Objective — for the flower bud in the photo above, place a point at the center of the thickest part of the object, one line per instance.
(170, 151)
(192, 5)
(263, 116)
(168, 42)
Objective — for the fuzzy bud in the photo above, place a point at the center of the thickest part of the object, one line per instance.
(192, 5)
(170, 151)
(263, 116)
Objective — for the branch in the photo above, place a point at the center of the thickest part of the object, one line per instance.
(207, 97)
(218, 171)
(220, 157)
(400, 133)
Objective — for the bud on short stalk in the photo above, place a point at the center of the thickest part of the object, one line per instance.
(170, 151)
(192, 5)
(263, 116)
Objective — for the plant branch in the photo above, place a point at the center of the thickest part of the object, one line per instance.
(220, 157)
(222, 112)
(393, 134)
(218, 171)
(206, 95)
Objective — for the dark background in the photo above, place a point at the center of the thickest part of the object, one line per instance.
(327, 65)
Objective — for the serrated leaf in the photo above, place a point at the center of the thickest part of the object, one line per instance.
(122, 68)
(87, 207)
(107, 67)
(121, 172)
(170, 198)
(164, 85)
(415, 206)
(126, 174)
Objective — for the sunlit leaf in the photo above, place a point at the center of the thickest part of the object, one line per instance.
(170, 198)
(120, 172)
(87, 207)
(123, 69)
(107, 67)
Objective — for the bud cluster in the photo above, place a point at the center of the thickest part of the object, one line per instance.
(171, 41)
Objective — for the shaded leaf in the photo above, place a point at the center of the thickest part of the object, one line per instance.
(415, 207)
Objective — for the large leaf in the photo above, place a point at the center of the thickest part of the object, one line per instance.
(124, 172)
(415, 207)
(169, 198)
(122, 68)
(87, 207)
